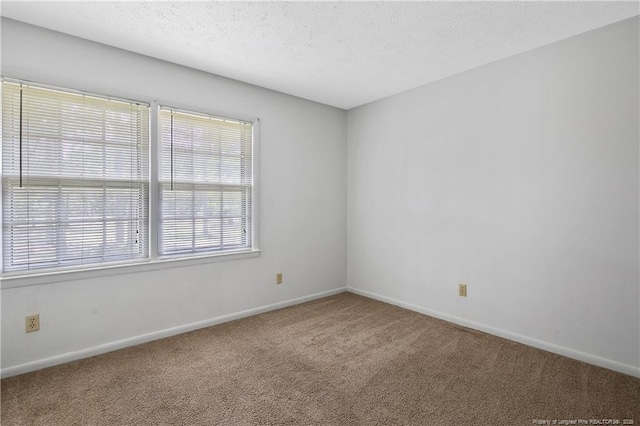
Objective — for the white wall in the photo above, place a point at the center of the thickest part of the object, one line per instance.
(302, 221)
(519, 178)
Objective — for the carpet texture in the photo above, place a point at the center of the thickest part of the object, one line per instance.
(341, 360)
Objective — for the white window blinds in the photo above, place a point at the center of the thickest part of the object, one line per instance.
(75, 178)
(205, 183)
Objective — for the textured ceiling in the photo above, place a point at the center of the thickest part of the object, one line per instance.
(343, 54)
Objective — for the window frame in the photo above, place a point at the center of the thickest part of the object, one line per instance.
(181, 110)
(153, 261)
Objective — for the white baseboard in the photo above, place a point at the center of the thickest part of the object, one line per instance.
(550, 347)
(143, 338)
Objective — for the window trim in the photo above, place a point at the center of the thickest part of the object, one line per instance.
(152, 261)
(154, 194)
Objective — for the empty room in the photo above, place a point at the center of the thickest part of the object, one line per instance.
(320, 213)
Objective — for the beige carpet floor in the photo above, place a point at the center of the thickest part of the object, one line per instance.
(342, 360)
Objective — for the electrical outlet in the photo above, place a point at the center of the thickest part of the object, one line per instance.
(32, 323)
(462, 290)
(279, 278)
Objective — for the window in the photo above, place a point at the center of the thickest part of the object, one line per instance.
(83, 184)
(205, 183)
(75, 178)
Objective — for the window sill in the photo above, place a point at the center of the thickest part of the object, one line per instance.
(48, 277)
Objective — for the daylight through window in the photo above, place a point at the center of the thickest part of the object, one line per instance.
(205, 183)
(75, 178)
